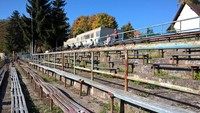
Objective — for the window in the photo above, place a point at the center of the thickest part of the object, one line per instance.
(97, 33)
(78, 39)
(92, 35)
(87, 36)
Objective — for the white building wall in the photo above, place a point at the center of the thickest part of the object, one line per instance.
(191, 25)
(2, 56)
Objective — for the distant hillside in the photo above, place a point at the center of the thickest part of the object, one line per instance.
(3, 26)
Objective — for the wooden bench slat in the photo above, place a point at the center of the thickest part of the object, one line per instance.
(18, 103)
(66, 104)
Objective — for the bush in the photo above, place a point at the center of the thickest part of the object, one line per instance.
(161, 73)
(197, 76)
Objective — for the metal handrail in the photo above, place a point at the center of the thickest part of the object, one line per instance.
(154, 26)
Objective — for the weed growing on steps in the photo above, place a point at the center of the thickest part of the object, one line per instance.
(197, 76)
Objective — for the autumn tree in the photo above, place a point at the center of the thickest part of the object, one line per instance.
(80, 25)
(127, 27)
(91, 20)
(104, 20)
(86, 23)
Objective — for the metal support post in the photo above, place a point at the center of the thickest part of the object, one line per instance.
(121, 106)
(41, 93)
(63, 61)
(51, 104)
(111, 102)
(65, 81)
(48, 60)
(60, 78)
(92, 65)
(81, 87)
(54, 60)
(74, 63)
(126, 70)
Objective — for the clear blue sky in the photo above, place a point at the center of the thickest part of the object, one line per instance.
(140, 13)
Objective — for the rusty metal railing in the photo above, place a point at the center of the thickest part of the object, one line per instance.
(39, 58)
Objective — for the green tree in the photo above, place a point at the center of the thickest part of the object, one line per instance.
(127, 27)
(3, 26)
(14, 38)
(60, 26)
(36, 29)
(28, 25)
(43, 19)
(149, 31)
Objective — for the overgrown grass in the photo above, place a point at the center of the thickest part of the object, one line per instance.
(49, 79)
(144, 95)
(197, 76)
(107, 107)
(174, 77)
(83, 63)
(188, 39)
(102, 110)
(161, 73)
(122, 70)
(156, 56)
(136, 82)
(150, 86)
(46, 109)
(106, 75)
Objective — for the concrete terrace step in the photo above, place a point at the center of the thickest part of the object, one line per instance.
(126, 96)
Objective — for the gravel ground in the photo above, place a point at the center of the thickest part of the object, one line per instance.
(5, 99)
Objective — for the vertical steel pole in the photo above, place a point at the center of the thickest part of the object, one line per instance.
(81, 87)
(48, 60)
(111, 102)
(180, 26)
(199, 23)
(123, 36)
(44, 63)
(51, 104)
(54, 60)
(126, 70)
(65, 81)
(74, 63)
(63, 61)
(121, 106)
(92, 65)
(38, 58)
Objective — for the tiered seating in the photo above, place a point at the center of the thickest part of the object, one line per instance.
(56, 96)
